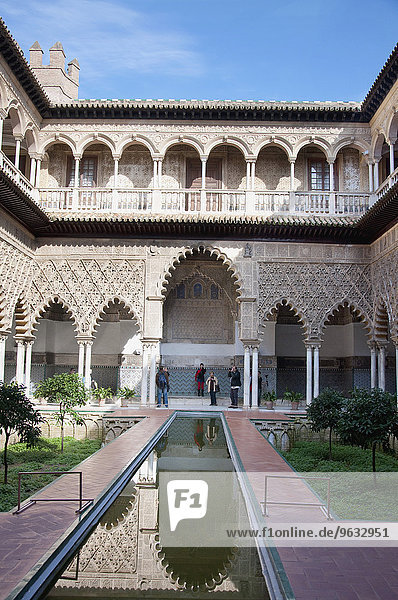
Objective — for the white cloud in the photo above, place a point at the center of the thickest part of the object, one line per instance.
(106, 37)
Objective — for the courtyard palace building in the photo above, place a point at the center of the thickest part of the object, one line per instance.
(135, 233)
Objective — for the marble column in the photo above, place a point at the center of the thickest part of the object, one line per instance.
(17, 152)
(144, 376)
(28, 366)
(396, 370)
(292, 165)
(32, 171)
(253, 176)
(38, 169)
(373, 366)
(309, 375)
(1, 133)
(255, 377)
(246, 377)
(248, 168)
(382, 367)
(376, 175)
(80, 369)
(3, 339)
(152, 377)
(316, 370)
(20, 362)
(371, 181)
(331, 176)
(392, 167)
(87, 366)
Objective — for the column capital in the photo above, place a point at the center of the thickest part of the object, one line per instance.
(84, 340)
(116, 157)
(203, 157)
(292, 159)
(251, 159)
(77, 156)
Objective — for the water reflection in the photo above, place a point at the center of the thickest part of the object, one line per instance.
(124, 557)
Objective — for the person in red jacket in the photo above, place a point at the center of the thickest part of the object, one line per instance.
(200, 379)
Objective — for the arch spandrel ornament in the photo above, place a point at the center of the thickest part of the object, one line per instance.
(16, 269)
(385, 286)
(86, 285)
(315, 288)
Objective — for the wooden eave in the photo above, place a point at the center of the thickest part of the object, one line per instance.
(234, 228)
(381, 216)
(382, 85)
(234, 111)
(14, 201)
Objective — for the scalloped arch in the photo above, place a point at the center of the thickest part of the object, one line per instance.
(163, 284)
(229, 141)
(382, 320)
(285, 301)
(351, 304)
(277, 141)
(185, 140)
(105, 304)
(45, 304)
(175, 578)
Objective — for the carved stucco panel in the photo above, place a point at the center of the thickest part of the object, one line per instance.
(385, 283)
(86, 285)
(314, 290)
(15, 274)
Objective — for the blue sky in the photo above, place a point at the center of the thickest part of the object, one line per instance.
(214, 49)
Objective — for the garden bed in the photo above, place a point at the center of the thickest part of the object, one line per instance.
(45, 456)
(355, 492)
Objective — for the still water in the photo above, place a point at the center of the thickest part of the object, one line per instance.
(137, 550)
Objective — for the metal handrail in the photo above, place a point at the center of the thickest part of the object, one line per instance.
(321, 505)
(82, 507)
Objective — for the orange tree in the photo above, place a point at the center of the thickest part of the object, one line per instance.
(17, 415)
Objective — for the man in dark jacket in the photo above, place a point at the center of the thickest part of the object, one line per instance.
(200, 379)
(234, 374)
(162, 383)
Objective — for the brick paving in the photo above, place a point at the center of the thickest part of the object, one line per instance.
(27, 537)
(316, 573)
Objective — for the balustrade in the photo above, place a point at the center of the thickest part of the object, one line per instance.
(198, 201)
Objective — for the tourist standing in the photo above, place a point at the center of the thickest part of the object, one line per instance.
(162, 383)
(212, 388)
(234, 374)
(200, 379)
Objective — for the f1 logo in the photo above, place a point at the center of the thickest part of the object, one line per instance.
(187, 499)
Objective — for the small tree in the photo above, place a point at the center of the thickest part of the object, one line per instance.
(368, 418)
(17, 415)
(67, 390)
(324, 412)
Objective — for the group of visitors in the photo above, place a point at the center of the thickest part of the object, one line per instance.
(212, 384)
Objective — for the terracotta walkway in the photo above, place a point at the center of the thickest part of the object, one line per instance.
(317, 573)
(26, 538)
(314, 573)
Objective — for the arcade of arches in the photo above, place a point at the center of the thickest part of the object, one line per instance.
(306, 315)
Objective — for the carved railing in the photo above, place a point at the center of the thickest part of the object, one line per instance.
(387, 184)
(16, 176)
(181, 201)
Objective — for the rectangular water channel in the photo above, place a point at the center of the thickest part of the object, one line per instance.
(166, 534)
